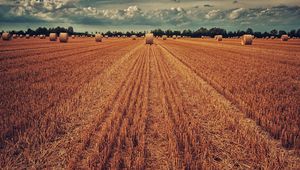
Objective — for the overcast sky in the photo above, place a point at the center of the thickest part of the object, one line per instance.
(103, 15)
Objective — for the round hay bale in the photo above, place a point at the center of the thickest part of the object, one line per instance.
(14, 35)
(73, 36)
(284, 38)
(33, 36)
(42, 36)
(21, 36)
(63, 37)
(133, 37)
(164, 37)
(174, 36)
(178, 37)
(247, 39)
(98, 37)
(149, 38)
(219, 37)
(53, 37)
(27, 36)
(6, 36)
(106, 36)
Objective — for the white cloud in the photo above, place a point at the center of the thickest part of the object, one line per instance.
(235, 14)
(213, 14)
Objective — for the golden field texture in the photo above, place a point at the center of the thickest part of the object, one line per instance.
(123, 104)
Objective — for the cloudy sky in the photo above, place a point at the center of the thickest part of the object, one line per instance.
(138, 15)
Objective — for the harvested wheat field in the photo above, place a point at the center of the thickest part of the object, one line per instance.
(124, 104)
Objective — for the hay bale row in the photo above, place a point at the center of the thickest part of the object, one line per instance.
(6, 36)
(53, 37)
(63, 37)
(149, 38)
(247, 39)
(133, 37)
(42, 36)
(284, 38)
(218, 37)
(98, 37)
(164, 37)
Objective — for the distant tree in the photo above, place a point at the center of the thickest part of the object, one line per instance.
(298, 33)
(201, 32)
(292, 33)
(249, 31)
(70, 30)
(187, 32)
(266, 34)
(169, 32)
(257, 34)
(216, 31)
(158, 32)
(30, 32)
(281, 32)
(274, 32)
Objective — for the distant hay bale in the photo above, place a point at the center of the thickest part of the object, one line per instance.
(98, 37)
(63, 37)
(53, 36)
(219, 37)
(178, 37)
(106, 36)
(42, 36)
(14, 35)
(33, 36)
(149, 38)
(73, 36)
(21, 36)
(273, 37)
(6, 36)
(133, 37)
(284, 38)
(27, 36)
(247, 39)
(174, 36)
(164, 37)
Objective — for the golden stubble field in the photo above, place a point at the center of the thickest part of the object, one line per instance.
(176, 104)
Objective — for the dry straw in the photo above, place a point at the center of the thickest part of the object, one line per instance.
(6, 36)
(149, 38)
(247, 39)
(284, 38)
(63, 37)
(164, 37)
(98, 37)
(53, 37)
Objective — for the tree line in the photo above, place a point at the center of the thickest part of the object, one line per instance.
(159, 32)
